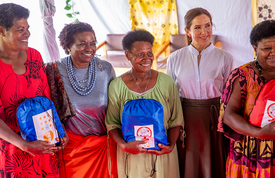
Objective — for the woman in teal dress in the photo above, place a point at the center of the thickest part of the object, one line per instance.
(143, 82)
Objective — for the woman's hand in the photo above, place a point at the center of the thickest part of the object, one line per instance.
(165, 149)
(133, 147)
(267, 132)
(63, 142)
(38, 147)
(173, 135)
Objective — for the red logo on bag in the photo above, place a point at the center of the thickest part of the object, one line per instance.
(271, 112)
(144, 132)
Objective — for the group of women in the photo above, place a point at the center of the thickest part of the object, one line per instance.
(91, 103)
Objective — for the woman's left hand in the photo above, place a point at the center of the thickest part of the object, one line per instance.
(63, 142)
(164, 149)
(173, 134)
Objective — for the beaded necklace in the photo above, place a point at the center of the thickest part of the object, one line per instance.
(76, 83)
(260, 71)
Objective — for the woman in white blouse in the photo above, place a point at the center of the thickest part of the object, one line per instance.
(200, 71)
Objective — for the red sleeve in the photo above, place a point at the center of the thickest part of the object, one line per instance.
(35, 55)
(1, 108)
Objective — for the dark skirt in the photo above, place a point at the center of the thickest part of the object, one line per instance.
(204, 153)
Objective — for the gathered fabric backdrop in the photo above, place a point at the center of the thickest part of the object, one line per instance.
(158, 17)
(47, 9)
(232, 22)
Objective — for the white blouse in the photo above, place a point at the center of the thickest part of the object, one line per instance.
(204, 81)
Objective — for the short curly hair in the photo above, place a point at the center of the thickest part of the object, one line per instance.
(264, 29)
(10, 12)
(66, 36)
(136, 35)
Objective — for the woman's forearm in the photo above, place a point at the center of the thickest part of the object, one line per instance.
(232, 117)
(9, 135)
(173, 135)
(116, 134)
(240, 125)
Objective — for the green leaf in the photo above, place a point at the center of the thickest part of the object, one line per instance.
(70, 15)
(76, 20)
(67, 1)
(68, 7)
(76, 12)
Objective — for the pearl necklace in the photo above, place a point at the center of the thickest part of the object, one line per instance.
(260, 71)
(76, 83)
(137, 83)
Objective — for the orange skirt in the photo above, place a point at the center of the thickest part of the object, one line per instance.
(87, 157)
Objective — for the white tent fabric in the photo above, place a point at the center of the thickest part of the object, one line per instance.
(232, 22)
(114, 15)
(105, 16)
(47, 9)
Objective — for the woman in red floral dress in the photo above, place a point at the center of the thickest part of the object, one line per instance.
(22, 76)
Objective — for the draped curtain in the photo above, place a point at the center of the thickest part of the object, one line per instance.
(157, 16)
(232, 21)
(254, 12)
(47, 9)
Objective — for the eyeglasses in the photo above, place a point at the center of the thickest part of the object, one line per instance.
(142, 55)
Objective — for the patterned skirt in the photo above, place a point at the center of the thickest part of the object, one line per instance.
(251, 158)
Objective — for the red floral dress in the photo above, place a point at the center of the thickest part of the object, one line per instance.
(14, 89)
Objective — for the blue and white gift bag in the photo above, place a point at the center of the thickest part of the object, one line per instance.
(142, 119)
(38, 120)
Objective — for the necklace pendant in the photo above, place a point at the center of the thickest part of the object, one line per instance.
(138, 84)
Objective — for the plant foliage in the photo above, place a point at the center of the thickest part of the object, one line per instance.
(70, 7)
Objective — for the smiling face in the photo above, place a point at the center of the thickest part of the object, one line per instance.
(200, 31)
(265, 53)
(17, 37)
(141, 56)
(83, 49)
